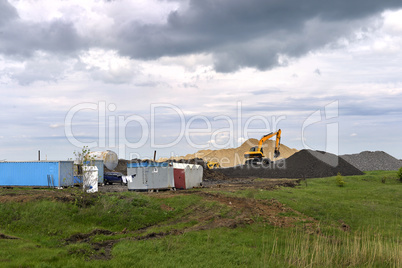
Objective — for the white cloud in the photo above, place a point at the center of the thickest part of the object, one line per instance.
(108, 66)
(56, 125)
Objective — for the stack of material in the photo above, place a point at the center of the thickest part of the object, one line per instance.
(303, 164)
(235, 156)
(377, 160)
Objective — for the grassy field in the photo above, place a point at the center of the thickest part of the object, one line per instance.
(316, 224)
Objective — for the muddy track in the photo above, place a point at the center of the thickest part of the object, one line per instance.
(3, 236)
(229, 212)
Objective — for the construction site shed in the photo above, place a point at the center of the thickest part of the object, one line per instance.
(150, 178)
(187, 176)
(37, 173)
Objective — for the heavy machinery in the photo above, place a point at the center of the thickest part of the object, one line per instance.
(213, 165)
(256, 153)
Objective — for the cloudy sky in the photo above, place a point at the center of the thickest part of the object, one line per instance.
(177, 76)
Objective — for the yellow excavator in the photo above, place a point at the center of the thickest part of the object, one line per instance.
(213, 165)
(256, 153)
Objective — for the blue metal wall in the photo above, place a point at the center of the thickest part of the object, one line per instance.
(36, 173)
(101, 170)
(66, 173)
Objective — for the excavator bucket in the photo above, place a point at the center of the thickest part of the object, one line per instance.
(276, 153)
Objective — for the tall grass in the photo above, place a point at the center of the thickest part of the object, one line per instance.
(364, 248)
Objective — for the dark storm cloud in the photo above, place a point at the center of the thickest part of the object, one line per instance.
(237, 33)
(7, 12)
(20, 38)
(255, 33)
(23, 38)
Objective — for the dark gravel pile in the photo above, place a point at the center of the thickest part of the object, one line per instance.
(214, 175)
(377, 160)
(303, 164)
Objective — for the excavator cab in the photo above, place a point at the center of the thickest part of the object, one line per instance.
(255, 149)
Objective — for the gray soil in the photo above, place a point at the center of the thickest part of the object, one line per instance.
(377, 160)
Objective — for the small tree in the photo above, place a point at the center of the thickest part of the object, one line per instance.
(399, 174)
(82, 158)
(339, 180)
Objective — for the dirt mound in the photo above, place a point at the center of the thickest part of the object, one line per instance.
(303, 164)
(212, 175)
(235, 156)
(377, 160)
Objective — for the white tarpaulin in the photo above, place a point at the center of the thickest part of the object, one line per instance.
(90, 179)
(127, 179)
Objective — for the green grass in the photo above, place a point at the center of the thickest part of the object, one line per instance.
(364, 202)
(369, 206)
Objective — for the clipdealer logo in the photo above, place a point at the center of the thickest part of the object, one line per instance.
(112, 128)
(328, 115)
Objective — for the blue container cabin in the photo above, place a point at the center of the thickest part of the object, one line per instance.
(37, 173)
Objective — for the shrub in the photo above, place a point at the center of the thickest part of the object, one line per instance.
(339, 180)
(399, 174)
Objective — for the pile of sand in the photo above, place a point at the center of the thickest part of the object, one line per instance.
(235, 156)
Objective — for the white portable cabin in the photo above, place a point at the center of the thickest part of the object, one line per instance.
(187, 176)
(150, 176)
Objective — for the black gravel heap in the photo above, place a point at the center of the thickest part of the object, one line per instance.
(377, 160)
(303, 164)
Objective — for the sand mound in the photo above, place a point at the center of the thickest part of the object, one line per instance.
(303, 164)
(377, 160)
(235, 156)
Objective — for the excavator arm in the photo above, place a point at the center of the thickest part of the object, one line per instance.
(277, 142)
